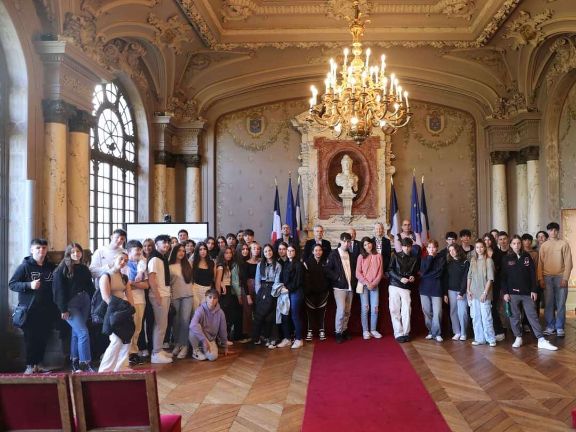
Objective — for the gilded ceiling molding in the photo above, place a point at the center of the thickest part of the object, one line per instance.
(526, 30)
(173, 33)
(455, 6)
(182, 108)
(126, 56)
(491, 58)
(513, 103)
(564, 50)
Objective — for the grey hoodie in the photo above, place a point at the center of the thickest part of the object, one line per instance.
(209, 324)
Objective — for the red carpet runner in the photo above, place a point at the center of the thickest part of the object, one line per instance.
(367, 386)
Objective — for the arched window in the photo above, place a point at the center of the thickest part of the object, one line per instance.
(113, 164)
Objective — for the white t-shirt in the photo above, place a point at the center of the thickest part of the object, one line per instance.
(345, 257)
(137, 293)
(156, 265)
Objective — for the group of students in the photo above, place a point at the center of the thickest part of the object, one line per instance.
(138, 299)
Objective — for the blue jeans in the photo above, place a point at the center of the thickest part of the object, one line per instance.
(182, 319)
(555, 300)
(369, 302)
(458, 313)
(482, 321)
(432, 309)
(296, 299)
(79, 309)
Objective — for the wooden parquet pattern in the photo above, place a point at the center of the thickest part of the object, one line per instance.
(475, 388)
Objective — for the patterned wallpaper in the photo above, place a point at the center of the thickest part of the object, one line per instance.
(254, 146)
(567, 148)
(440, 144)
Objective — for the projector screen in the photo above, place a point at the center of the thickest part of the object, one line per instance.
(197, 231)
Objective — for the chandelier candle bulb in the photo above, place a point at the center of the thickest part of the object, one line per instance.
(406, 97)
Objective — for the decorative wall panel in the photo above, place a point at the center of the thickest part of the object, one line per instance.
(567, 147)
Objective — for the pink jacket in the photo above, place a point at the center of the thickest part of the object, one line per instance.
(369, 270)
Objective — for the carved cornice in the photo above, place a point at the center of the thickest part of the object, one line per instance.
(500, 157)
(526, 29)
(242, 9)
(191, 160)
(501, 136)
(184, 109)
(531, 153)
(81, 121)
(57, 111)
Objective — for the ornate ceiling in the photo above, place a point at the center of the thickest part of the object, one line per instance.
(231, 24)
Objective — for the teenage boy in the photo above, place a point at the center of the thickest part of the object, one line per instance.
(182, 236)
(553, 274)
(159, 295)
(451, 238)
(503, 241)
(318, 239)
(138, 275)
(103, 258)
(465, 242)
(32, 280)
(208, 329)
(403, 269)
(339, 270)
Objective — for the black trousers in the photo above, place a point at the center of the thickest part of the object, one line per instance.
(496, 300)
(233, 311)
(316, 310)
(145, 338)
(37, 328)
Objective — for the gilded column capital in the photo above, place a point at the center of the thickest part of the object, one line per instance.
(499, 157)
(56, 111)
(531, 153)
(81, 121)
(191, 160)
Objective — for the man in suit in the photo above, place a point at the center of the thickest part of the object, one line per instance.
(318, 239)
(286, 238)
(383, 245)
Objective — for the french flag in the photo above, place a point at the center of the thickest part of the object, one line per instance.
(394, 213)
(277, 220)
(296, 234)
(425, 235)
(415, 215)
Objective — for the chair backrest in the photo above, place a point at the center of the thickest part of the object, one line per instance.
(35, 402)
(116, 401)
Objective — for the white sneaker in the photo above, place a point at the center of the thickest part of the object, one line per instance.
(439, 339)
(500, 337)
(428, 337)
(176, 350)
(518, 342)
(198, 355)
(144, 353)
(271, 346)
(297, 344)
(159, 358)
(229, 343)
(166, 345)
(183, 353)
(284, 344)
(456, 337)
(492, 344)
(463, 337)
(366, 335)
(544, 344)
(376, 334)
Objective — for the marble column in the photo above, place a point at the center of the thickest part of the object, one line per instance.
(499, 195)
(54, 195)
(532, 155)
(159, 188)
(78, 186)
(171, 187)
(521, 194)
(193, 200)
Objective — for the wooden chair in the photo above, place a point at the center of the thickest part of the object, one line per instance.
(120, 401)
(35, 403)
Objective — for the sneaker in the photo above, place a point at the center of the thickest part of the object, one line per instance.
(400, 339)
(322, 335)
(406, 338)
(475, 343)
(183, 353)
(366, 335)
(544, 344)
(297, 344)
(456, 337)
(198, 355)
(500, 337)
(339, 338)
(244, 340)
(560, 333)
(229, 343)
(463, 337)
(144, 353)
(309, 335)
(376, 334)
(86, 367)
(38, 369)
(517, 343)
(285, 343)
(176, 350)
(549, 332)
(428, 337)
(271, 346)
(133, 359)
(257, 342)
(29, 370)
(492, 344)
(166, 345)
(439, 338)
(158, 358)
(75, 366)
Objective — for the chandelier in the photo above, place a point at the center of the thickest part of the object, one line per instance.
(359, 96)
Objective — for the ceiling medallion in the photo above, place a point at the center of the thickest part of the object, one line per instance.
(363, 97)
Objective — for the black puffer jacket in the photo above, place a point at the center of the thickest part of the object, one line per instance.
(119, 320)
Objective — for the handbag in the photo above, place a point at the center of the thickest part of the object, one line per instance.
(19, 315)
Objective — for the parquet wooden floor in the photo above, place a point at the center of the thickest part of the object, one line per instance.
(475, 388)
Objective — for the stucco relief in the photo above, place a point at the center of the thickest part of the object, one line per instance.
(447, 160)
(564, 59)
(567, 138)
(174, 33)
(246, 167)
(526, 29)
